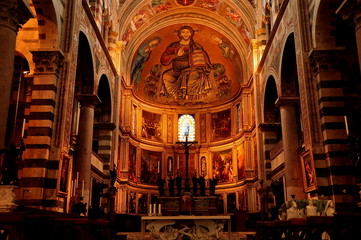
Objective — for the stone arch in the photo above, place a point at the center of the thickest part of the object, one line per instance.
(270, 112)
(105, 106)
(289, 77)
(85, 68)
(322, 24)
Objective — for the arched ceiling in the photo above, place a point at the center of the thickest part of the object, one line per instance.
(223, 29)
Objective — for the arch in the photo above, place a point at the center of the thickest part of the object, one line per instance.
(103, 110)
(271, 113)
(323, 24)
(289, 77)
(85, 68)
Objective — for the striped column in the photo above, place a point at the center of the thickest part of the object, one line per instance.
(334, 168)
(39, 171)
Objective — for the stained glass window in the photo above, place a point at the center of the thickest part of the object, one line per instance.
(186, 127)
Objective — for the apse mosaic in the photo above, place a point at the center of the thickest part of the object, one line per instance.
(150, 166)
(222, 166)
(186, 65)
(221, 125)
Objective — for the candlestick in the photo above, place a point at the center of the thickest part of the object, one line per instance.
(77, 179)
(23, 128)
(155, 209)
(346, 125)
(82, 189)
(150, 210)
(159, 210)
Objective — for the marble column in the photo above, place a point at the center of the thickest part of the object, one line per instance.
(13, 13)
(84, 145)
(290, 139)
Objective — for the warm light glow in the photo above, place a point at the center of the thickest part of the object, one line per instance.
(186, 127)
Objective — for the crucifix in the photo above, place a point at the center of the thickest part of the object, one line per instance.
(186, 145)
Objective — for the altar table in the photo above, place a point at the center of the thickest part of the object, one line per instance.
(203, 226)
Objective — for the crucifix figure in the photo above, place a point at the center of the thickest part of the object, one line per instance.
(186, 145)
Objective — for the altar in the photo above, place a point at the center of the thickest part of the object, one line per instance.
(193, 227)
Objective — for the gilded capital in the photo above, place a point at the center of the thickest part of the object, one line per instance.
(14, 13)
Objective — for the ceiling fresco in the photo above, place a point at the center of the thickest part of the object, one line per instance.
(156, 7)
(186, 64)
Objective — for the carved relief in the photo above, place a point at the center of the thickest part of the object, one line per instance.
(47, 61)
(203, 128)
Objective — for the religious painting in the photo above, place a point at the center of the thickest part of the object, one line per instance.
(221, 125)
(142, 204)
(132, 163)
(182, 68)
(150, 166)
(151, 126)
(161, 5)
(64, 172)
(209, 4)
(223, 166)
(181, 164)
(132, 206)
(241, 161)
(308, 172)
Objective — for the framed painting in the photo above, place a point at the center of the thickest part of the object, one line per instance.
(308, 170)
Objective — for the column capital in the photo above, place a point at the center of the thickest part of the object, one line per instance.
(88, 100)
(286, 101)
(14, 13)
(47, 61)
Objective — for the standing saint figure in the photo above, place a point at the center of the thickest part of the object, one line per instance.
(189, 76)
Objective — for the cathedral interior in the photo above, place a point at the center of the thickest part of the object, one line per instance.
(220, 119)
